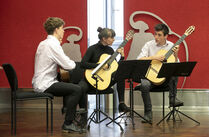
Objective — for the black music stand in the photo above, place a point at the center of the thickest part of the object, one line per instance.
(133, 70)
(180, 69)
(98, 111)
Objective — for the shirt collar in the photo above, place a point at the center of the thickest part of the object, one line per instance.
(53, 38)
(166, 44)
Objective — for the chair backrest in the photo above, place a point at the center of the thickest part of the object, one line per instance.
(11, 76)
(76, 74)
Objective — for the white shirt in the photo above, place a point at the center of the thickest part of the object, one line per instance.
(151, 48)
(48, 56)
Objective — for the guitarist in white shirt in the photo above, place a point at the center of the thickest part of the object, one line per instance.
(49, 55)
(149, 52)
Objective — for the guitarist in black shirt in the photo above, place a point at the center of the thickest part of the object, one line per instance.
(91, 59)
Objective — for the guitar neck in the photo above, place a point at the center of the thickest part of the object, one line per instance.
(114, 55)
(170, 52)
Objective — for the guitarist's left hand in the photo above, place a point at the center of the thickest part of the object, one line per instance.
(175, 51)
(121, 51)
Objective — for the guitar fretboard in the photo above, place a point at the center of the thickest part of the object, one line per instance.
(114, 55)
(170, 52)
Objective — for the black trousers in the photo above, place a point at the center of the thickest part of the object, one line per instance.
(86, 87)
(72, 93)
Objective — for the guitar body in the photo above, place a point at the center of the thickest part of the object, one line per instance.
(105, 75)
(155, 67)
(64, 75)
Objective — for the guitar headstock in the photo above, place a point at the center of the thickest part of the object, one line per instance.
(129, 35)
(189, 30)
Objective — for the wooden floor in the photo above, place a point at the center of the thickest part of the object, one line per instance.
(31, 123)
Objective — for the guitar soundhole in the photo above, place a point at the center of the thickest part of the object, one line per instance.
(107, 68)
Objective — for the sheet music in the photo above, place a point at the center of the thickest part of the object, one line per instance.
(100, 65)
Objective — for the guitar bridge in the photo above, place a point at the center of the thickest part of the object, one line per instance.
(97, 77)
(153, 69)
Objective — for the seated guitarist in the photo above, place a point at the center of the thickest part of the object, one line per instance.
(149, 52)
(90, 61)
(49, 55)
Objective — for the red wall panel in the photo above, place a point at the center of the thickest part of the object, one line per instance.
(179, 15)
(22, 29)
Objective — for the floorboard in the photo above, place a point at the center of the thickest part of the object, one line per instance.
(31, 122)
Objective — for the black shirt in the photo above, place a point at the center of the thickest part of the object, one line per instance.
(93, 54)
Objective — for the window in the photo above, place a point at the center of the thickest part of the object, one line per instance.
(104, 13)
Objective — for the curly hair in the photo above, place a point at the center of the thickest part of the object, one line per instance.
(52, 23)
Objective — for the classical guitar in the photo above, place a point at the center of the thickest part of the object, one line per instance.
(64, 75)
(104, 76)
(156, 65)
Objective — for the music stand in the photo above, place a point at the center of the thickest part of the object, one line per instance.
(180, 69)
(132, 70)
(97, 111)
(176, 69)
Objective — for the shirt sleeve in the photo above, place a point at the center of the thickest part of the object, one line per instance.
(144, 52)
(57, 54)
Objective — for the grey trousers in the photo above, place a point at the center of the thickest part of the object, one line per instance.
(146, 86)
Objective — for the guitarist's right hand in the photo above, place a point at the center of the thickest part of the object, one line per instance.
(159, 57)
(106, 67)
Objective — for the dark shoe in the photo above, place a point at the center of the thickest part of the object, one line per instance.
(123, 108)
(70, 128)
(148, 117)
(175, 102)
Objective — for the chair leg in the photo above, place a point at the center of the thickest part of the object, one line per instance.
(51, 116)
(15, 122)
(12, 116)
(113, 105)
(163, 103)
(47, 114)
(99, 106)
(163, 111)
